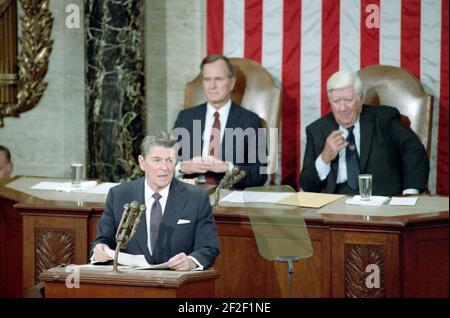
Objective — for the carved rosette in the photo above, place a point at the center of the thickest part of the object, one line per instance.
(53, 247)
(357, 260)
(36, 46)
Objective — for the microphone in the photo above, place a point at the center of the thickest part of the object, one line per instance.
(231, 177)
(131, 217)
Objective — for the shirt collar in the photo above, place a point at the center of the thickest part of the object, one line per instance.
(223, 111)
(148, 192)
(355, 125)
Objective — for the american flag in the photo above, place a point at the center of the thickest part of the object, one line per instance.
(302, 42)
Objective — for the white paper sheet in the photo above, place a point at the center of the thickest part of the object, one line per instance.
(374, 200)
(403, 201)
(255, 197)
(63, 186)
(136, 261)
(102, 188)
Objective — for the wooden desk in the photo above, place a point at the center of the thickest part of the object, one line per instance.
(94, 283)
(411, 250)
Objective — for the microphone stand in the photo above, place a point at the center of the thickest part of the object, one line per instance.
(127, 227)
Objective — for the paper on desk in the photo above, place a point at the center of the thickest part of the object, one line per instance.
(375, 200)
(102, 188)
(136, 261)
(63, 186)
(255, 197)
(310, 199)
(403, 201)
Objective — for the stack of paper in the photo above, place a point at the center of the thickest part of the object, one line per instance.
(374, 200)
(135, 261)
(310, 199)
(64, 186)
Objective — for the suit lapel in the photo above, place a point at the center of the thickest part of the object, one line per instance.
(365, 143)
(329, 127)
(233, 121)
(200, 114)
(141, 231)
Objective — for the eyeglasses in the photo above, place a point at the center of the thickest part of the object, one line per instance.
(158, 161)
(346, 100)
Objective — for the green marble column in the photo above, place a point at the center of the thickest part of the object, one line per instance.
(115, 104)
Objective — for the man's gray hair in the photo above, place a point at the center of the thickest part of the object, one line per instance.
(163, 139)
(344, 79)
(216, 57)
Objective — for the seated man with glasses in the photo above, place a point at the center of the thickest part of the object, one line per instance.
(358, 139)
(178, 225)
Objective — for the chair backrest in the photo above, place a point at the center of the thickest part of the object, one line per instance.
(397, 87)
(255, 90)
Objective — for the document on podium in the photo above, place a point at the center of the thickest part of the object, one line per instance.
(136, 261)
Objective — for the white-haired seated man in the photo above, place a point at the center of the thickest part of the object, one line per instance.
(354, 139)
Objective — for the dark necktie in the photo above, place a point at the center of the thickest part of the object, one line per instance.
(155, 220)
(352, 159)
(214, 146)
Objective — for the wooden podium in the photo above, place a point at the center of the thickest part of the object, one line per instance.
(81, 282)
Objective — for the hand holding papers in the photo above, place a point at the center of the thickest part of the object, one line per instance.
(136, 261)
(133, 261)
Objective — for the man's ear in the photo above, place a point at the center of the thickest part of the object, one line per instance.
(10, 168)
(141, 162)
(233, 82)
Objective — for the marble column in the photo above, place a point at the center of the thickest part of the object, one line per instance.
(115, 105)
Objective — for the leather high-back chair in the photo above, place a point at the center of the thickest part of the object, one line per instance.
(397, 87)
(255, 90)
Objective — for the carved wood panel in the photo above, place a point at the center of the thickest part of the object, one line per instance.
(53, 247)
(360, 260)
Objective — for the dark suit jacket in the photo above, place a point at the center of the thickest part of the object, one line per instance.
(197, 239)
(388, 150)
(235, 150)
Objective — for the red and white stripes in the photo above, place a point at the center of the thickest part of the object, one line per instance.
(302, 42)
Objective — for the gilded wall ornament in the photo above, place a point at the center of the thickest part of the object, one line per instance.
(36, 46)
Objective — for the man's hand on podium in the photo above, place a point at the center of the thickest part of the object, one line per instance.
(181, 262)
(100, 254)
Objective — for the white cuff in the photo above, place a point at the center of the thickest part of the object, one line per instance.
(410, 191)
(199, 266)
(230, 165)
(322, 168)
(178, 173)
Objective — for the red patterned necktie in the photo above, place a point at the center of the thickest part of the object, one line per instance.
(214, 146)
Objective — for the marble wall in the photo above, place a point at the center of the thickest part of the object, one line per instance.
(114, 88)
(175, 36)
(45, 139)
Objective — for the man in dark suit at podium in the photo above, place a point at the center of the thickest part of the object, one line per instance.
(208, 150)
(178, 224)
(358, 139)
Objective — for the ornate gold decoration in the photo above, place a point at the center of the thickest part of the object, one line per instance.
(37, 24)
(4, 4)
(357, 258)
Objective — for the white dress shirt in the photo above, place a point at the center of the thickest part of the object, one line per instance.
(323, 169)
(223, 111)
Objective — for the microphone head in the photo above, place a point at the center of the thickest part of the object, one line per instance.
(134, 205)
(235, 170)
